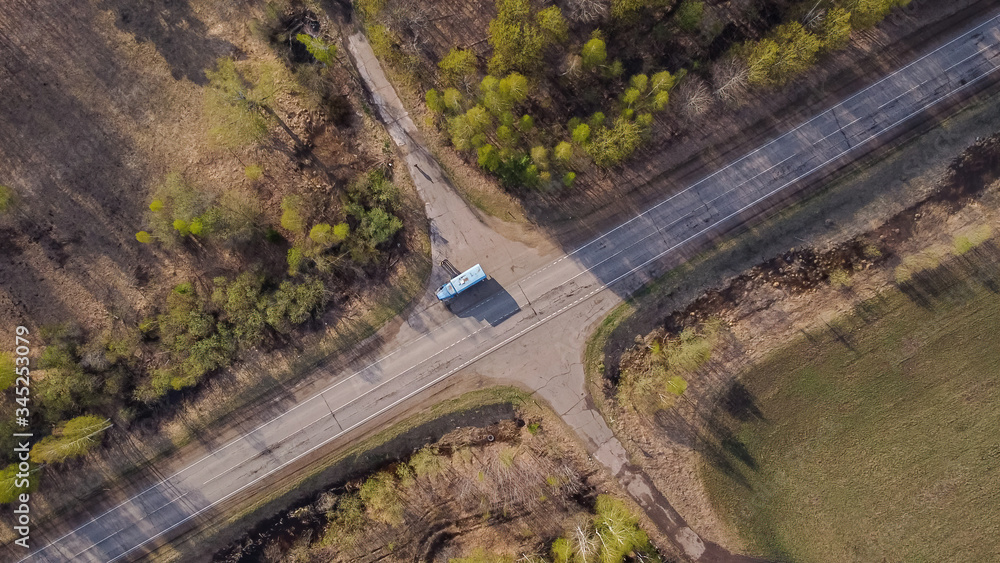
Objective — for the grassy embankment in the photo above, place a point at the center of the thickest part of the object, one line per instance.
(879, 447)
(240, 517)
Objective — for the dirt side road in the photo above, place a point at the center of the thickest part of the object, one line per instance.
(570, 288)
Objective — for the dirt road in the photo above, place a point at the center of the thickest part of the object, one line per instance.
(530, 318)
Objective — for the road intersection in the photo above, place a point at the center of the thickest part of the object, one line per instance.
(530, 288)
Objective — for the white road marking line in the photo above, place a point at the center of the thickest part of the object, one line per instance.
(732, 164)
(539, 322)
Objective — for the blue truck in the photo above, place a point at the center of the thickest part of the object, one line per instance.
(461, 282)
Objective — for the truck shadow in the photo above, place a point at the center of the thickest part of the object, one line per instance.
(486, 301)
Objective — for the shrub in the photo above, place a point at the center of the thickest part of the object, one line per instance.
(427, 462)
(253, 172)
(235, 102)
(378, 226)
(243, 303)
(326, 235)
(382, 499)
(551, 22)
(489, 159)
(176, 205)
(612, 145)
(9, 481)
(835, 31)
(639, 82)
(787, 51)
(517, 42)
(319, 49)
(71, 439)
(526, 123)
(7, 370)
(868, 13)
(840, 278)
(688, 15)
(568, 179)
(563, 152)
(6, 199)
(291, 218)
(540, 156)
(458, 65)
(489, 84)
(452, 99)
(434, 101)
(294, 259)
(143, 237)
(506, 135)
(513, 87)
(478, 119)
(293, 304)
(594, 53)
(562, 551)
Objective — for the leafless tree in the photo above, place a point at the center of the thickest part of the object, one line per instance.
(586, 10)
(694, 98)
(730, 79)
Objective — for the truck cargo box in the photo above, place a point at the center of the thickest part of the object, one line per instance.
(461, 282)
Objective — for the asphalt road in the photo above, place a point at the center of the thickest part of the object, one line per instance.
(437, 342)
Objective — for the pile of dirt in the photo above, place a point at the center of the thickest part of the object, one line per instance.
(782, 298)
(800, 271)
(444, 516)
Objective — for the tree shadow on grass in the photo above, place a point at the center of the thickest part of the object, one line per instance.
(180, 37)
(955, 280)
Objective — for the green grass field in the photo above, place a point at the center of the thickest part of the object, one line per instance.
(877, 440)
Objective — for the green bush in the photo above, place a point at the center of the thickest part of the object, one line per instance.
(551, 22)
(517, 41)
(563, 152)
(70, 439)
(253, 172)
(236, 102)
(243, 304)
(868, 13)
(6, 199)
(7, 370)
(9, 481)
(382, 499)
(835, 31)
(291, 216)
(179, 208)
(688, 15)
(785, 52)
(434, 100)
(319, 49)
(612, 145)
(458, 65)
(489, 159)
(594, 53)
(293, 304)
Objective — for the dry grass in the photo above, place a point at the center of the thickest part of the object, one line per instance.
(892, 419)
